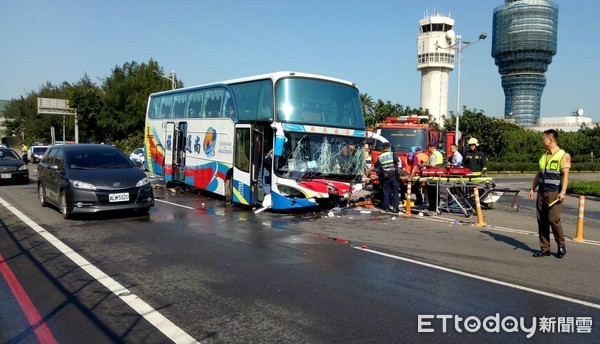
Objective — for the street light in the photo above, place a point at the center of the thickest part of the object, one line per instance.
(459, 47)
(170, 77)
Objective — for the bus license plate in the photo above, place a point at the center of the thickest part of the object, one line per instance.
(118, 197)
(5, 176)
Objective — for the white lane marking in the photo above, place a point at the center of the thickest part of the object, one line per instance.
(153, 316)
(175, 204)
(482, 278)
(503, 229)
(186, 207)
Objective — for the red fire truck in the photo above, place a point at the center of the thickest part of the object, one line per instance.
(406, 133)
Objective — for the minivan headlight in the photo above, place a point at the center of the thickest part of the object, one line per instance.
(22, 168)
(82, 185)
(142, 182)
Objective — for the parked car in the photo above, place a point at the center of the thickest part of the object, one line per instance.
(89, 178)
(12, 167)
(138, 156)
(35, 153)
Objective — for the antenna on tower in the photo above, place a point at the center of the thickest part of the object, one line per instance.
(578, 113)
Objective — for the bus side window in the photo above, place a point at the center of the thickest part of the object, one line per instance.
(228, 109)
(194, 108)
(179, 107)
(213, 103)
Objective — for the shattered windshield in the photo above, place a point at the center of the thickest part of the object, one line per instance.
(313, 156)
(318, 102)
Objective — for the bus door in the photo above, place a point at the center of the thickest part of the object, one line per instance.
(179, 148)
(169, 140)
(244, 166)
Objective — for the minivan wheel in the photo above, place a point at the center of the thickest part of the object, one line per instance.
(42, 195)
(65, 209)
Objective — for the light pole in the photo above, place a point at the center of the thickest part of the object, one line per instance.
(170, 77)
(459, 48)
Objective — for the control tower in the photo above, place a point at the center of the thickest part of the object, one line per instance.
(435, 60)
(524, 41)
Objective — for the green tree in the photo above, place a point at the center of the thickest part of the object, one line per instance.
(125, 96)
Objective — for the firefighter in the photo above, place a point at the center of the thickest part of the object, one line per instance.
(474, 159)
(387, 167)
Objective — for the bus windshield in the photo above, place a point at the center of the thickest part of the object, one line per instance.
(318, 102)
(404, 139)
(308, 156)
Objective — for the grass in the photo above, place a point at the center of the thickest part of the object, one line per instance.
(585, 188)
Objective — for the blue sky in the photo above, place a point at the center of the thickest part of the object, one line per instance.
(372, 44)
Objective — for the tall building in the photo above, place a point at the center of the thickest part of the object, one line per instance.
(524, 41)
(435, 59)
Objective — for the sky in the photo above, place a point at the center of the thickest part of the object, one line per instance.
(373, 44)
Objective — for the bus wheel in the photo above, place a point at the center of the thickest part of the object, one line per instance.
(228, 189)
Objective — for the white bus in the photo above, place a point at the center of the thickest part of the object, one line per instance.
(217, 137)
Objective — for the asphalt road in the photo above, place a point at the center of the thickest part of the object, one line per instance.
(226, 275)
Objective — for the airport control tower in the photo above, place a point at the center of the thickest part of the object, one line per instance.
(435, 61)
(524, 41)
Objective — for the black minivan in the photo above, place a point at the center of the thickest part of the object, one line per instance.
(89, 178)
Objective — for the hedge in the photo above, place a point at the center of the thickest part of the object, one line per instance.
(499, 166)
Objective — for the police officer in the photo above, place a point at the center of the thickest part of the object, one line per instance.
(552, 179)
(387, 167)
(474, 159)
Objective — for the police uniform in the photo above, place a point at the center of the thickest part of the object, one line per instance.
(550, 184)
(387, 166)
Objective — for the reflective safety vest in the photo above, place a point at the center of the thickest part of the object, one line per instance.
(439, 158)
(550, 178)
(386, 159)
(422, 158)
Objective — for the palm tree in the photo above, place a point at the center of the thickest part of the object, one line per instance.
(368, 106)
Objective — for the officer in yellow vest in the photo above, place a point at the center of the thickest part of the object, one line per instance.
(387, 167)
(552, 179)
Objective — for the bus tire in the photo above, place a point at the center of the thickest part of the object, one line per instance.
(229, 189)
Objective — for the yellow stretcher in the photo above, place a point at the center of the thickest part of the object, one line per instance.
(455, 193)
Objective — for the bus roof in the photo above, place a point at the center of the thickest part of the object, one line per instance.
(272, 76)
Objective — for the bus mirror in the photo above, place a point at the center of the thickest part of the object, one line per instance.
(279, 140)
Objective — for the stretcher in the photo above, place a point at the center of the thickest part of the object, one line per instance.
(454, 190)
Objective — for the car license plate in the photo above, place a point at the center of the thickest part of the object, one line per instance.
(5, 176)
(118, 197)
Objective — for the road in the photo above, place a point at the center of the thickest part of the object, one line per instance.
(219, 274)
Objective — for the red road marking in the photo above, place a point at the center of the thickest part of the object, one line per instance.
(31, 313)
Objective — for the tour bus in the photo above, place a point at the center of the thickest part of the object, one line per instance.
(283, 141)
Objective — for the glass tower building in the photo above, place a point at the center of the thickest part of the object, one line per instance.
(524, 41)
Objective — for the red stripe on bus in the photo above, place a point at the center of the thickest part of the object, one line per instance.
(31, 313)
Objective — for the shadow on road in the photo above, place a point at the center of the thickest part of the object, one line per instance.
(510, 241)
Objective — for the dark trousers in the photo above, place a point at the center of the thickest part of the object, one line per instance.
(549, 218)
(390, 186)
(432, 197)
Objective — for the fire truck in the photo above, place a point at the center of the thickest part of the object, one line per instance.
(405, 133)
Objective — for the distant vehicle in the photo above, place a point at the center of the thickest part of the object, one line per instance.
(12, 168)
(138, 156)
(35, 153)
(90, 178)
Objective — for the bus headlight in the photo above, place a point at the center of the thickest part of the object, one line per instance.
(290, 192)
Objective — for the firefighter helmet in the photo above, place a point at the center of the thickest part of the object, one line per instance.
(473, 141)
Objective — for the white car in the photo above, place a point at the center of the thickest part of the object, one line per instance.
(138, 156)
